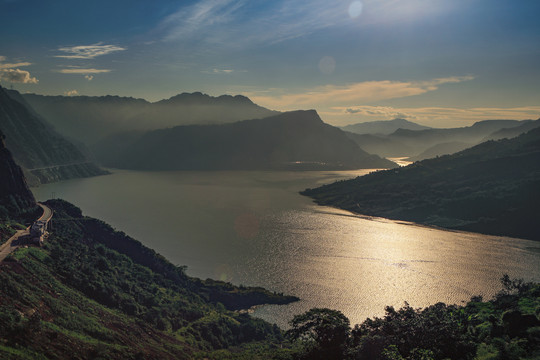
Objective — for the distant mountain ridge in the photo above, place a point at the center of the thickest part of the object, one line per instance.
(406, 142)
(492, 188)
(384, 127)
(293, 140)
(37, 147)
(90, 119)
(508, 133)
(441, 149)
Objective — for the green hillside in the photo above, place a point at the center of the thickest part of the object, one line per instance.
(492, 188)
(38, 148)
(92, 292)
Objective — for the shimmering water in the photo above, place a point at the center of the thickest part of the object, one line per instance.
(253, 228)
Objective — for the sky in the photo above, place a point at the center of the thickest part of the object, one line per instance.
(441, 63)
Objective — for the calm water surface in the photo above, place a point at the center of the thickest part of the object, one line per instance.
(253, 228)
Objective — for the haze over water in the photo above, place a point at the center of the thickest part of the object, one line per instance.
(253, 228)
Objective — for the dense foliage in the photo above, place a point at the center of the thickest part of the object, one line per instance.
(492, 188)
(92, 293)
(123, 303)
(504, 328)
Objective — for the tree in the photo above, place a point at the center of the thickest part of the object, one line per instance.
(324, 331)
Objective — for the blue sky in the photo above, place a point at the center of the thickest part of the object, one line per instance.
(439, 63)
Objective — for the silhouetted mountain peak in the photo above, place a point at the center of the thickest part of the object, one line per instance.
(384, 127)
(198, 98)
(288, 141)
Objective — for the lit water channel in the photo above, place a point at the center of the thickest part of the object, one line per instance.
(253, 228)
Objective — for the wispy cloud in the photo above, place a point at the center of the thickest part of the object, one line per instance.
(357, 93)
(240, 23)
(17, 76)
(12, 65)
(199, 18)
(83, 71)
(386, 112)
(88, 51)
(221, 71)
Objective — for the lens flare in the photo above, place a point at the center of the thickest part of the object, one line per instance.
(327, 65)
(355, 9)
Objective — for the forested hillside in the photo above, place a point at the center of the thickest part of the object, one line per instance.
(492, 188)
(45, 154)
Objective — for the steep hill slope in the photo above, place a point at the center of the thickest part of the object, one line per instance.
(94, 292)
(493, 188)
(447, 148)
(37, 147)
(90, 118)
(15, 196)
(294, 140)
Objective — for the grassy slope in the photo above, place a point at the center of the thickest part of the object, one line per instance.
(79, 298)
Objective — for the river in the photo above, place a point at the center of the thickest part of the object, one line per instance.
(253, 228)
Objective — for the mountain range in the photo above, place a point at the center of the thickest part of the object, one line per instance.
(412, 143)
(91, 118)
(297, 140)
(384, 127)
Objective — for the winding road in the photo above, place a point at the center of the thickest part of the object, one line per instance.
(15, 241)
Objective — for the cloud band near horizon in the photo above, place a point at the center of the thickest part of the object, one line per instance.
(349, 95)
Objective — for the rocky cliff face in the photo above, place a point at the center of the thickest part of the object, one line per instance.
(37, 147)
(15, 196)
